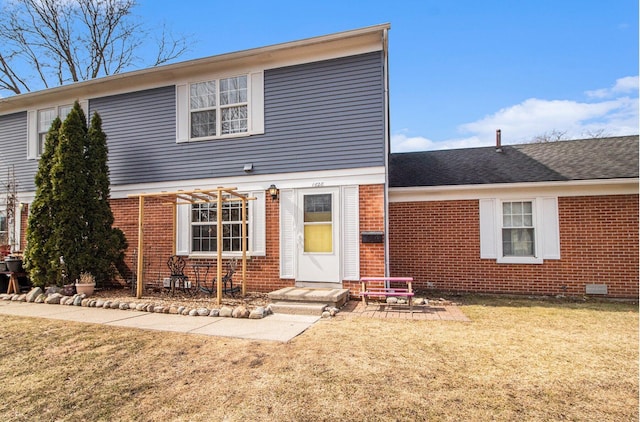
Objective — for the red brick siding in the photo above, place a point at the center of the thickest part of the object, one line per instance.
(439, 242)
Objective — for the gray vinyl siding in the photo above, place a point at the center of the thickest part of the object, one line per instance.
(318, 116)
(13, 150)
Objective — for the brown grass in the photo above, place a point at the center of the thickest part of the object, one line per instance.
(516, 360)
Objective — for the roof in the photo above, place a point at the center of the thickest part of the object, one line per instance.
(584, 159)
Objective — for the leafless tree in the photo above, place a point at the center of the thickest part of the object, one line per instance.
(45, 43)
(553, 136)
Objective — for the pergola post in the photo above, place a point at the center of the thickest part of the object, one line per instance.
(140, 246)
(244, 247)
(219, 248)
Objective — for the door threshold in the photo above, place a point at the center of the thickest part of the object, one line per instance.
(318, 285)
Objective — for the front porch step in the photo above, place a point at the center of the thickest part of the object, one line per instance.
(298, 308)
(332, 297)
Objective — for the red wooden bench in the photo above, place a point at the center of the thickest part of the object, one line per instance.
(381, 287)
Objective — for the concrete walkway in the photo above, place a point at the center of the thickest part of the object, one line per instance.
(276, 327)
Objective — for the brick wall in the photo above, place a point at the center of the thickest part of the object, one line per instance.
(439, 243)
(262, 272)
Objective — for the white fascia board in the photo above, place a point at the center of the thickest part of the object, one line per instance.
(327, 178)
(324, 47)
(595, 187)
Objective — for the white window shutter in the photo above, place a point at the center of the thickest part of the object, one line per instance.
(488, 229)
(287, 233)
(182, 113)
(32, 134)
(257, 223)
(257, 103)
(549, 228)
(183, 229)
(350, 233)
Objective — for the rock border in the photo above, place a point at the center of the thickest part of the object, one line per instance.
(36, 295)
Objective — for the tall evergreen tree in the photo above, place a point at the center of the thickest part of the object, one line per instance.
(40, 255)
(70, 188)
(106, 244)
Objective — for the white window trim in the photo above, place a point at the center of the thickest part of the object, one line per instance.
(256, 232)
(33, 131)
(255, 107)
(545, 224)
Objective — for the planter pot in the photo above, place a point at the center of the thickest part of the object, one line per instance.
(14, 264)
(3, 267)
(86, 289)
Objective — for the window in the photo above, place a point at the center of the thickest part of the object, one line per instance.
(45, 118)
(518, 237)
(4, 234)
(519, 231)
(318, 227)
(218, 107)
(204, 227)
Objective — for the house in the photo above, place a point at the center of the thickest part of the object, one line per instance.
(307, 117)
(557, 218)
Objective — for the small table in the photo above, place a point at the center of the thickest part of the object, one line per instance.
(14, 285)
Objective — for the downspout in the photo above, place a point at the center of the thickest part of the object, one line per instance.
(387, 144)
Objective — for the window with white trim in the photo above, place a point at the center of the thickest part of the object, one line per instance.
(519, 231)
(45, 118)
(204, 227)
(196, 228)
(220, 107)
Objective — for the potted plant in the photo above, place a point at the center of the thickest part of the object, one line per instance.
(14, 263)
(86, 284)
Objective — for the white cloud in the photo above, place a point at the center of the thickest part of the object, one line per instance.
(615, 112)
(626, 85)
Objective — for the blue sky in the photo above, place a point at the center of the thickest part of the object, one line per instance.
(459, 69)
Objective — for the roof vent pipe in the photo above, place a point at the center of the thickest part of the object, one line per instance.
(498, 141)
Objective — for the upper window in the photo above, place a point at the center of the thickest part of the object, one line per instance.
(518, 237)
(45, 118)
(4, 234)
(218, 107)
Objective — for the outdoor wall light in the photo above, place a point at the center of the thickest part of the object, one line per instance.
(273, 191)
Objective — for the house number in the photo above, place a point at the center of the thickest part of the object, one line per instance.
(317, 184)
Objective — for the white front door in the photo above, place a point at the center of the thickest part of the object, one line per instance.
(318, 235)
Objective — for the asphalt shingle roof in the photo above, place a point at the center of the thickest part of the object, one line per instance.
(585, 159)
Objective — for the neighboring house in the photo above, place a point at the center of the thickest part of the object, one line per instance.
(542, 218)
(308, 116)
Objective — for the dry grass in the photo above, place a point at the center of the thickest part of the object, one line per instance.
(516, 360)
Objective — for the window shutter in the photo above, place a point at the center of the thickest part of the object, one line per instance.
(488, 229)
(257, 103)
(183, 229)
(350, 233)
(257, 223)
(549, 228)
(32, 134)
(287, 233)
(182, 113)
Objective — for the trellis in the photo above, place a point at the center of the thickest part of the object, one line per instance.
(218, 196)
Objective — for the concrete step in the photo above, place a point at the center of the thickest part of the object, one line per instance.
(298, 308)
(333, 297)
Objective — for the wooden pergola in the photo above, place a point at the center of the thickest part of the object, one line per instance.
(217, 196)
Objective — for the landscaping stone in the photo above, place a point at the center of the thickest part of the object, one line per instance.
(132, 306)
(326, 314)
(158, 309)
(334, 311)
(33, 294)
(85, 302)
(40, 298)
(115, 305)
(4, 296)
(53, 299)
(392, 300)
(257, 313)
(99, 303)
(185, 311)
(123, 306)
(203, 312)
(226, 311)
(214, 313)
(140, 307)
(173, 310)
(180, 309)
(193, 312)
(240, 312)
(52, 289)
(77, 301)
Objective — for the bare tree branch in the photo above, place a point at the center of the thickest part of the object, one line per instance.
(53, 42)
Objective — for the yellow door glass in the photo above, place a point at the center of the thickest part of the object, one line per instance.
(318, 225)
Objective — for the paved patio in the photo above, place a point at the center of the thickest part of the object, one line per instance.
(432, 312)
